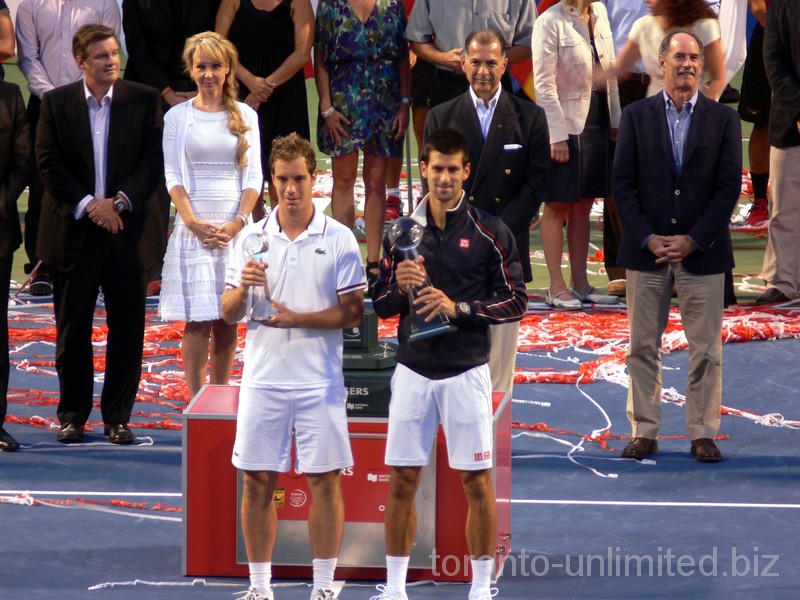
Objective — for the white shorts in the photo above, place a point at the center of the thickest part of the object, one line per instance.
(264, 429)
(463, 405)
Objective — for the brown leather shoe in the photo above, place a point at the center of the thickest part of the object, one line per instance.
(640, 447)
(705, 450)
(618, 287)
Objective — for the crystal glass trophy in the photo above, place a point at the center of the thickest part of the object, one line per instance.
(405, 234)
(259, 302)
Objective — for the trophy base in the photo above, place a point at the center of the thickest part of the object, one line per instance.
(431, 331)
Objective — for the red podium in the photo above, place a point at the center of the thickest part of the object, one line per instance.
(212, 541)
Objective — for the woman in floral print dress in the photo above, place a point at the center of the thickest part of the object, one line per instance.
(362, 76)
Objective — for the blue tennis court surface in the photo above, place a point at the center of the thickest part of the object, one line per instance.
(585, 524)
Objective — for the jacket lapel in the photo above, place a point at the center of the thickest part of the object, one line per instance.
(82, 128)
(662, 132)
(696, 129)
(118, 123)
(491, 147)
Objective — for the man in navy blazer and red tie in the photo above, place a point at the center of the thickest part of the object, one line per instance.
(676, 178)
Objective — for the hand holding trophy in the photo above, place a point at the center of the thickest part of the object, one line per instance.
(405, 234)
(259, 302)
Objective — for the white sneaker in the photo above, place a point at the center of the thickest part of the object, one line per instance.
(488, 595)
(385, 594)
(254, 594)
(323, 595)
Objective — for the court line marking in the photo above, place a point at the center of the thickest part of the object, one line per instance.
(84, 493)
(658, 503)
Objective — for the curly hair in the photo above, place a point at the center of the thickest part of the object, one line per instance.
(221, 50)
(685, 13)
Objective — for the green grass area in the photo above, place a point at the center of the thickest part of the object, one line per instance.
(748, 248)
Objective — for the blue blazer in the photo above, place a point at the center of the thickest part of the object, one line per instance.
(654, 199)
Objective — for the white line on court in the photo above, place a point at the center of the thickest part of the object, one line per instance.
(84, 493)
(659, 503)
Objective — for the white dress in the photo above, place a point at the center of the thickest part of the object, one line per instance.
(193, 277)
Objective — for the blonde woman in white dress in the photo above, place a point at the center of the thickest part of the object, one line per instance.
(213, 174)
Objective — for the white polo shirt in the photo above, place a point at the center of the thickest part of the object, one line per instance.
(306, 274)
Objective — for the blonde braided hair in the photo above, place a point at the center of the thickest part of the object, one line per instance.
(221, 50)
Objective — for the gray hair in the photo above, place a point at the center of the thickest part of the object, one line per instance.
(663, 49)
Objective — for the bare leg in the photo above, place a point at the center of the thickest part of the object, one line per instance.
(194, 349)
(223, 347)
(345, 169)
(758, 149)
(375, 203)
(394, 168)
(326, 516)
(552, 232)
(578, 242)
(482, 513)
(259, 517)
(401, 513)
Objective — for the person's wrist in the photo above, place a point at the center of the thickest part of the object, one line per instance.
(328, 112)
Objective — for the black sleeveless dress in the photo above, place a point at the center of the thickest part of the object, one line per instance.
(264, 39)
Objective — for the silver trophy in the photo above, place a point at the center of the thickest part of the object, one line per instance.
(405, 234)
(259, 302)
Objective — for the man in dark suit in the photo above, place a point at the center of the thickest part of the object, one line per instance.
(509, 150)
(15, 149)
(98, 148)
(676, 179)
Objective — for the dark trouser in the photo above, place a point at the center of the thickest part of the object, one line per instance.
(5, 281)
(632, 89)
(75, 294)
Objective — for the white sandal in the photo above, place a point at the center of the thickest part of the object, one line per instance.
(557, 302)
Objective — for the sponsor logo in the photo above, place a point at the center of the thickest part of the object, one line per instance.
(483, 455)
(463, 243)
(320, 251)
(297, 498)
(279, 496)
(358, 391)
(346, 472)
(378, 477)
(353, 332)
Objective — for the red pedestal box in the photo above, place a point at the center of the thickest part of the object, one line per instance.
(213, 544)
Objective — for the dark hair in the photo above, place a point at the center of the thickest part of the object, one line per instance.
(292, 146)
(486, 37)
(446, 141)
(685, 13)
(663, 49)
(89, 34)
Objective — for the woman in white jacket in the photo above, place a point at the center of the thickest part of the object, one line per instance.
(212, 164)
(572, 46)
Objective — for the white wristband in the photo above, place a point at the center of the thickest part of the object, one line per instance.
(328, 113)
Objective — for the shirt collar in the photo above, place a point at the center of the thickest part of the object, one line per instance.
(87, 92)
(315, 227)
(492, 102)
(420, 214)
(691, 102)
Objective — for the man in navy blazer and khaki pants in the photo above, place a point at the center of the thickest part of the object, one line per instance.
(98, 147)
(676, 178)
(509, 152)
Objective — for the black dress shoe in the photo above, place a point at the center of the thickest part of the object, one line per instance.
(772, 296)
(70, 433)
(7, 441)
(706, 451)
(640, 447)
(119, 433)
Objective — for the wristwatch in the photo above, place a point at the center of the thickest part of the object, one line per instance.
(463, 311)
(120, 204)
